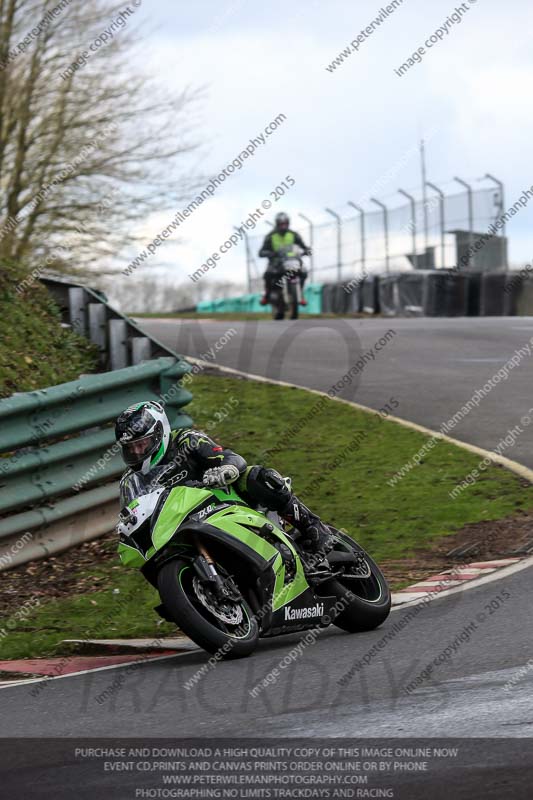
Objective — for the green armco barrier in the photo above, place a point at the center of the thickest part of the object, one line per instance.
(46, 515)
(249, 303)
(40, 463)
(33, 416)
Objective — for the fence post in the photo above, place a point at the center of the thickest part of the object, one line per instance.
(311, 243)
(385, 229)
(118, 344)
(470, 213)
(501, 187)
(339, 242)
(442, 221)
(363, 234)
(413, 224)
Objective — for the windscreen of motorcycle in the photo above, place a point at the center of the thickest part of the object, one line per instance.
(141, 509)
(136, 484)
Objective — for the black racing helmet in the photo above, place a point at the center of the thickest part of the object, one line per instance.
(143, 432)
(282, 222)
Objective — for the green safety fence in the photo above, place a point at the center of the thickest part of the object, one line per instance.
(57, 445)
(249, 303)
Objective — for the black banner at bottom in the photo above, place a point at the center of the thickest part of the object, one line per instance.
(296, 769)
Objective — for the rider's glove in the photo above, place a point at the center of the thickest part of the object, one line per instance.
(221, 476)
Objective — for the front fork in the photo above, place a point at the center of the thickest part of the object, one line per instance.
(206, 570)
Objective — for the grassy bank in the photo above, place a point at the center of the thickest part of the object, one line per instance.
(340, 460)
(35, 351)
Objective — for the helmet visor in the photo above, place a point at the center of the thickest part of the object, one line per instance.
(136, 451)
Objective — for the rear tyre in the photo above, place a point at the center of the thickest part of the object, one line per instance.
(236, 636)
(366, 601)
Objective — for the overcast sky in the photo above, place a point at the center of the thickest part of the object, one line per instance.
(347, 129)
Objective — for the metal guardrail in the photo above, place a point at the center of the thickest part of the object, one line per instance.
(121, 343)
(57, 455)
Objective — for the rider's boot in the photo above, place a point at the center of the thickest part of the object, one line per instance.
(316, 536)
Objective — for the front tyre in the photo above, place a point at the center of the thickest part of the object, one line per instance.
(294, 301)
(228, 629)
(278, 305)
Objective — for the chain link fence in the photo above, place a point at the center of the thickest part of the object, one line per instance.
(417, 234)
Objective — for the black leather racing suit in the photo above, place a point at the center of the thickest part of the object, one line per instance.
(192, 452)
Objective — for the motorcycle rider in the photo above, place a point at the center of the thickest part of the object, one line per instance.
(144, 434)
(280, 237)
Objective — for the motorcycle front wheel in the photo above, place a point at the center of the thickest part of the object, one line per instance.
(226, 628)
(294, 304)
(278, 305)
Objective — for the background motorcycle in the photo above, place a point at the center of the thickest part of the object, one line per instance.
(228, 574)
(286, 290)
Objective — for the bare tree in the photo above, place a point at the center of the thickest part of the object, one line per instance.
(88, 146)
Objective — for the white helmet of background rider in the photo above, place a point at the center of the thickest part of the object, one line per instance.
(143, 432)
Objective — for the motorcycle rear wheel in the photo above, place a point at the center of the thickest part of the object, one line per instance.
(183, 602)
(366, 601)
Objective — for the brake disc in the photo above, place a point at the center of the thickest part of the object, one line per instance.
(228, 612)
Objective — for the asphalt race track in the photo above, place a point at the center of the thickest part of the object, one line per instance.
(432, 367)
(464, 696)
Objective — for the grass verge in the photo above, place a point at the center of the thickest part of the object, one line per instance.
(340, 460)
(35, 351)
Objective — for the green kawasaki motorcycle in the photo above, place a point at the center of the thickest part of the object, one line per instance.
(228, 573)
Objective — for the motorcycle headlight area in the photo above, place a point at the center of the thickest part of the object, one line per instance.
(143, 510)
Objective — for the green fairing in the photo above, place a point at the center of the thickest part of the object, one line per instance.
(178, 504)
(130, 556)
(235, 520)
